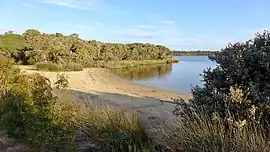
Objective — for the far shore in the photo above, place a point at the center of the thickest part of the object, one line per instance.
(101, 86)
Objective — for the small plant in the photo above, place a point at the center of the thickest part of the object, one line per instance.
(61, 82)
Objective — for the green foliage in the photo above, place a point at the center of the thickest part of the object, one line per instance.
(144, 72)
(27, 110)
(231, 111)
(242, 70)
(129, 63)
(32, 115)
(33, 47)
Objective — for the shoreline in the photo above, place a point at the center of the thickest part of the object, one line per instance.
(102, 80)
(121, 64)
(101, 87)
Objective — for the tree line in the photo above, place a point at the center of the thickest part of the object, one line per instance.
(33, 46)
(194, 53)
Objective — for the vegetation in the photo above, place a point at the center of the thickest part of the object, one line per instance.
(47, 123)
(109, 129)
(194, 53)
(29, 112)
(33, 46)
(197, 131)
(236, 93)
(144, 72)
(229, 113)
(130, 63)
(49, 66)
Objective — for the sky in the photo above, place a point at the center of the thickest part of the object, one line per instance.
(177, 24)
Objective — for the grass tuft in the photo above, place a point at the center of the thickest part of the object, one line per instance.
(202, 133)
(48, 66)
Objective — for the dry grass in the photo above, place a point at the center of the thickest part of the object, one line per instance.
(104, 128)
(201, 133)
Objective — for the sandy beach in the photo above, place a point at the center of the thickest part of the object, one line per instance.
(102, 87)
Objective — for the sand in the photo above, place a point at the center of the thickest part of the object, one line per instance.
(102, 87)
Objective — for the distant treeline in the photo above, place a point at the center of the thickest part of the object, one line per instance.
(33, 46)
(194, 53)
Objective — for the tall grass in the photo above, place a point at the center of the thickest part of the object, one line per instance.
(103, 128)
(201, 133)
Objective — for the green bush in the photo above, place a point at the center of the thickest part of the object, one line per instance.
(48, 66)
(27, 110)
(243, 69)
(32, 115)
(231, 111)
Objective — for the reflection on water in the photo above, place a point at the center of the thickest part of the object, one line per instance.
(144, 72)
(179, 77)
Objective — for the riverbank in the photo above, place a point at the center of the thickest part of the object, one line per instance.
(102, 80)
(128, 63)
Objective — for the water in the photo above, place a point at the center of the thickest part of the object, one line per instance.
(178, 77)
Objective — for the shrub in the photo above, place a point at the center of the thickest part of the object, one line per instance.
(32, 115)
(242, 66)
(197, 131)
(48, 66)
(28, 111)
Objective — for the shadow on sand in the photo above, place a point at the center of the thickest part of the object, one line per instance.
(151, 111)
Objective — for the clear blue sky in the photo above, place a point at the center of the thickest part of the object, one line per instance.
(178, 24)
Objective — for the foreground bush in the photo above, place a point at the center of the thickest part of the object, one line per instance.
(30, 114)
(27, 110)
(196, 132)
(231, 111)
(243, 69)
(111, 129)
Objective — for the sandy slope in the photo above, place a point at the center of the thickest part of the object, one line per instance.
(100, 86)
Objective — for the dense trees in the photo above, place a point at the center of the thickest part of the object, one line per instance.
(194, 53)
(33, 46)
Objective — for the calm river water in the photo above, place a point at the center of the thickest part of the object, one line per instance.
(179, 77)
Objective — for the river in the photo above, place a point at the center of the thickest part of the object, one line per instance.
(178, 77)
